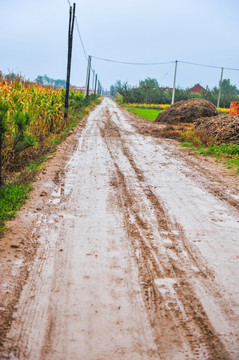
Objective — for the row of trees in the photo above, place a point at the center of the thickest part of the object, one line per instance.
(41, 79)
(149, 92)
(45, 80)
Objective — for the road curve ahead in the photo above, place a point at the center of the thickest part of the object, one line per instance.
(138, 256)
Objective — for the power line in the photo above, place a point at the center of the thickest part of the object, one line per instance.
(161, 63)
(82, 44)
(78, 31)
(204, 65)
(131, 63)
(166, 73)
(140, 63)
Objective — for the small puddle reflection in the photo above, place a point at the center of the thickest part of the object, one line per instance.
(57, 195)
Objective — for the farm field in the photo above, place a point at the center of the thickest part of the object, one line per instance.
(151, 111)
(148, 114)
(146, 111)
(127, 249)
(32, 124)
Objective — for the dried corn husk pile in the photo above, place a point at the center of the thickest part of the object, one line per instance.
(187, 111)
(222, 129)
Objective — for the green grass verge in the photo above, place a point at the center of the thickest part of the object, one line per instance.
(229, 153)
(11, 198)
(148, 114)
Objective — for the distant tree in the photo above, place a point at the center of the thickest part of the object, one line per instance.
(60, 83)
(122, 88)
(118, 85)
(11, 76)
(39, 79)
(149, 83)
(112, 90)
(228, 88)
(46, 80)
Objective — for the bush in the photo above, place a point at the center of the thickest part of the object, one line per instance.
(157, 95)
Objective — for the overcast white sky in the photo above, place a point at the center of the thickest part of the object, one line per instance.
(33, 39)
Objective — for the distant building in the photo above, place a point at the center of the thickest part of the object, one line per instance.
(167, 89)
(198, 89)
(79, 88)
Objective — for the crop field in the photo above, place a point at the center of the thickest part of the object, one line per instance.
(148, 114)
(32, 123)
(146, 111)
(32, 118)
(147, 106)
(151, 111)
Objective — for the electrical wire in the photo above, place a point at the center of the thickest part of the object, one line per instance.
(131, 63)
(78, 31)
(166, 73)
(82, 44)
(162, 63)
(204, 65)
(190, 63)
(230, 69)
(141, 63)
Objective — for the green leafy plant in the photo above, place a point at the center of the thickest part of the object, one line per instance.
(3, 129)
(22, 139)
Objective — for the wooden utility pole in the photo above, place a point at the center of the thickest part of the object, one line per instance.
(70, 42)
(93, 81)
(87, 82)
(174, 81)
(96, 79)
(220, 88)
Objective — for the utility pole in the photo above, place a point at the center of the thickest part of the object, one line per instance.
(174, 81)
(87, 83)
(93, 81)
(70, 41)
(219, 92)
(96, 79)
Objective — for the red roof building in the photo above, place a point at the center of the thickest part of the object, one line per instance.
(197, 89)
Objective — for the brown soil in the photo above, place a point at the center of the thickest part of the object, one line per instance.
(187, 111)
(221, 128)
(18, 248)
(127, 249)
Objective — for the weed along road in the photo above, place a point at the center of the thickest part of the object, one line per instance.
(137, 257)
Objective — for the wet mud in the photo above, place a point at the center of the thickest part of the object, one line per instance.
(136, 253)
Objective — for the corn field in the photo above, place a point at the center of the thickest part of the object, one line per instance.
(30, 114)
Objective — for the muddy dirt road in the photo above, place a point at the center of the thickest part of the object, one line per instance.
(137, 257)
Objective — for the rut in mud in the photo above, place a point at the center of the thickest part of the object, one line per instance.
(137, 258)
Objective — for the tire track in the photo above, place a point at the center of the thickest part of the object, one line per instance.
(170, 300)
